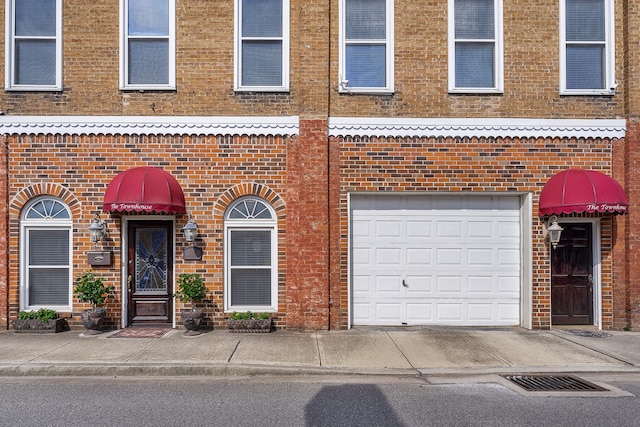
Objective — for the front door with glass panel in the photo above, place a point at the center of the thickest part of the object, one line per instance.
(150, 272)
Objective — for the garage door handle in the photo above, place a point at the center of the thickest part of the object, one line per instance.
(404, 284)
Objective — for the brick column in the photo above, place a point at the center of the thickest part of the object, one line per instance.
(626, 168)
(4, 234)
(308, 228)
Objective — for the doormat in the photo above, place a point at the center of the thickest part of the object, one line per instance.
(140, 333)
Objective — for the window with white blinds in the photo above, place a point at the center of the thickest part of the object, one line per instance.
(250, 256)
(366, 46)
(587, 63)
(147, 58)
(475, 46)
(46, 256)
(262, 45)
(34, 48)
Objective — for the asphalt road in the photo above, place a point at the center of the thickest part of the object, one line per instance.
(294, 401)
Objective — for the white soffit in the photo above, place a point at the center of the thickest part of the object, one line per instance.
(147, 125)
(489, 127)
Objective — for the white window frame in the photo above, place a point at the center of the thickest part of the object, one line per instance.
(610, 83)
(124, 50)
(498, 64)
(231, 225)
(237, 75)
(46, 223)
(343, 83)
(10, 56)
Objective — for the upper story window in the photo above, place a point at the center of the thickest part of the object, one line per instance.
(45, 255)
(251, 256)
(475, 46)
(33, 59)
(262, 45)
(147, 44)
(366, 46)
(587, 47)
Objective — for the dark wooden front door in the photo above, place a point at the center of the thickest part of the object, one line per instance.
(150, 269)
(572, 276)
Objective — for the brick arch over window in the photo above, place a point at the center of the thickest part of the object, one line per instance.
(249, 189)
(42, 189)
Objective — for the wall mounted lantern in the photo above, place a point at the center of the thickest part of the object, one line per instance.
(190, 231)
(96, 230)
(553, 231)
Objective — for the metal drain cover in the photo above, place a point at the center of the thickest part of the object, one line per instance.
(553, 383)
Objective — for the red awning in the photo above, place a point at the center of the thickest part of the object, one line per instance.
(579, 190)
(144, 189)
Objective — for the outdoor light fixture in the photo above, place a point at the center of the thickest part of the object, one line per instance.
(96, 229)
(190, 231)
(553, 231)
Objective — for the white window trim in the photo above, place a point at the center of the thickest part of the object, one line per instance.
(343, 84)
(258, 225)
(124, 66)
(498, 48)
(9, 75)
(610, 79)
(237, 75)
(42, 224)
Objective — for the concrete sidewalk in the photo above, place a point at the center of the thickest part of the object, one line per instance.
(409, 351)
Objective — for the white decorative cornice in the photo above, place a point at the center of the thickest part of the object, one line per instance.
(505, 128)
(149, 125)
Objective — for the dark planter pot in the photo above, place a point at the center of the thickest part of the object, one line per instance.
(35, 326)
(93, 319)
(250, 326)
(192, 321)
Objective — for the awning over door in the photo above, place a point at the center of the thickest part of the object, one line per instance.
(144, 189)
(580, 190)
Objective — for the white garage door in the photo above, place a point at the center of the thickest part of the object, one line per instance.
(435, 260)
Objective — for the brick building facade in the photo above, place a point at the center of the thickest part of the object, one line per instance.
(400, 192)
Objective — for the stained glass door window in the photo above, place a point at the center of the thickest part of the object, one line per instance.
(151, 260)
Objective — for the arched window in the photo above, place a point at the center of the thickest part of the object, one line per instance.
(251, 256)
(45, 255)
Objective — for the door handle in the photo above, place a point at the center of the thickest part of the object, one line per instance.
(590, 278)
(404, 284)
(129, 283)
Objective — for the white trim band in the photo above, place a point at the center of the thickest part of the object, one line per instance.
(505, 128)
(146, 125)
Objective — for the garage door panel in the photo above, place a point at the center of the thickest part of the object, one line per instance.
(459, 258)
(419, 257)
(480, 257)
(419, 313)
(419, 229)
(509, 257)
(449, 256)
(388, 228)
(389, 312)
(449, 312)
(388, 256)
(480, 312)
(419, 286)
(388, 286)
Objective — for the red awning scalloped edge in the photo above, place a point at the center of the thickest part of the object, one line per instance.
(581, 190)
(144, 189)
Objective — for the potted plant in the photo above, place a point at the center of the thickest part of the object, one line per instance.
(191, 289)
(92, 289)
(44, 320)
(249, 322)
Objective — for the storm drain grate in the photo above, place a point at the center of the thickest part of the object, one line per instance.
(553, 383)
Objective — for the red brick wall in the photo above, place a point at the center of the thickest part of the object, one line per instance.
(308, 237)
(475, 165)
(211, 170)
(4, 217)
